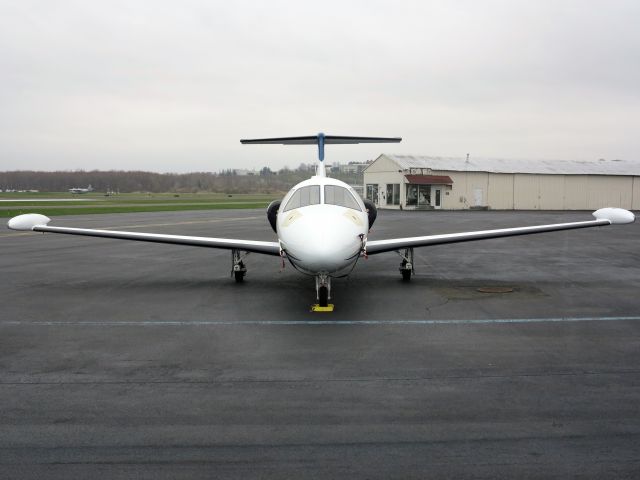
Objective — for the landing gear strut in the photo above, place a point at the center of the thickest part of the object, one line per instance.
(406, 267)
(323, 289)
(238, 268)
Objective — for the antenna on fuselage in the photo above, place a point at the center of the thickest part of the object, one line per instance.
(321, 140)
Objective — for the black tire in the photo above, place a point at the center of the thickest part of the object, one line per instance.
(323, 296)
(239, 276)
(406, 275)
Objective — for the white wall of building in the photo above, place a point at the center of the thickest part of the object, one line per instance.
(500, 191)
(519, 191)
(635, 194)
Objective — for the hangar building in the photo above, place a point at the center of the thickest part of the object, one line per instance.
(416, 182)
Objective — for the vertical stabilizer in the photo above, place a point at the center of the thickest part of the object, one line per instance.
(320, 170)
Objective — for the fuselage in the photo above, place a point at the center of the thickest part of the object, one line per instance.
(322, 226)
(81, 190)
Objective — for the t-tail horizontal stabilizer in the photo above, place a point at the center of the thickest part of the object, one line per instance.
(321, 140)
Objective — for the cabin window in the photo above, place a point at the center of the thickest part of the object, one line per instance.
(336, 195)
(304, 196)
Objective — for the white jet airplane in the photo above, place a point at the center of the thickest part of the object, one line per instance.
(81, 190)
(322, 226)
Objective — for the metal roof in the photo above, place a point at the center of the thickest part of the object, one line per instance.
(500, 165)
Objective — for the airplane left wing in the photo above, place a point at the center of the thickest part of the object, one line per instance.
(604, 216)
(39, 223)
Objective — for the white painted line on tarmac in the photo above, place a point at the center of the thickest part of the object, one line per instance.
(150, 323)
(51, 200)
(191, 222)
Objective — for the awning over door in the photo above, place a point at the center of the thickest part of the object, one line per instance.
(429, 179)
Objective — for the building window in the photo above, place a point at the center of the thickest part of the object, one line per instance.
(412, 195)
(424, 195)
(418, 195)
(393, 194)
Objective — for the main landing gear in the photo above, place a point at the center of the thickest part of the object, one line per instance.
(238, 268)
(406, 267)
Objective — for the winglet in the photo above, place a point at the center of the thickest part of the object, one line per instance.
(27, 221)
(617, 216)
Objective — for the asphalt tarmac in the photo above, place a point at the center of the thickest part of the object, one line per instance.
(133, 360)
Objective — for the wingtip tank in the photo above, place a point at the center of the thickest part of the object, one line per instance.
(617, 216)
(27, 221)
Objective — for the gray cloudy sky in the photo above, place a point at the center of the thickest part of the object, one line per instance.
(173, 85)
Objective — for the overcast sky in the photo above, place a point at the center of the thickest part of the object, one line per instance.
(173, 85)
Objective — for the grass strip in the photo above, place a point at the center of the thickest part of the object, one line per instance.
(59, 211)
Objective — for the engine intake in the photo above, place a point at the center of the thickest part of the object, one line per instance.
(272, 213)
(372, 212)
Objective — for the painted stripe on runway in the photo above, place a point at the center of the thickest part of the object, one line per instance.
(320, 322)
(189, 222)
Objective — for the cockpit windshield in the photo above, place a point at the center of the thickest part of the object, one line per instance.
(336, 195)
(309, 195)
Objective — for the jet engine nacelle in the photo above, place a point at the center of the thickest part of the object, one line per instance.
(272, 213)
(372, 212)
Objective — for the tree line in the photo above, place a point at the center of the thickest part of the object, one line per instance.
(226, 181)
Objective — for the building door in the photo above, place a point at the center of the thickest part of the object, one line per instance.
(372, 193)
(437, 197)
(478, 197)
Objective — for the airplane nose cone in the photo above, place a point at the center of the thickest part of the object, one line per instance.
(324, 240)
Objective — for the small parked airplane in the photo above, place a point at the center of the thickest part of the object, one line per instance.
(81, 190)
(322, 226)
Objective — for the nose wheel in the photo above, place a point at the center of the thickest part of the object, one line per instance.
(323, 294)
(239, 276)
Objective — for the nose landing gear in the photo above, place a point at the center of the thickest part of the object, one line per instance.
(323, 294)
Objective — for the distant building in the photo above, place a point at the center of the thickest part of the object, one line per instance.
(244, 172)
(359, 189)
(353, 168)
(421, 182)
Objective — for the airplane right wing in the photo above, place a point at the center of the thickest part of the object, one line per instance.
(39, 223)
(604, 216)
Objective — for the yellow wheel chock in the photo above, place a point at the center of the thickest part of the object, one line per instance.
(317, 308)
